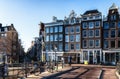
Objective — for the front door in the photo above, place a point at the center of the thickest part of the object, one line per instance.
(110, 58)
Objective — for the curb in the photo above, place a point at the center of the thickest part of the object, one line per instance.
(100, 75)
(59, 73)
(118, 76)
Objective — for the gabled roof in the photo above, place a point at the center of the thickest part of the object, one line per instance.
(91, 12)
(113, 7)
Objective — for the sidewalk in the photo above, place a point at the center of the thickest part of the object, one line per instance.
(46, 73)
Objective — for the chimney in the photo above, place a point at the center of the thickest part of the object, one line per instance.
(0, 25)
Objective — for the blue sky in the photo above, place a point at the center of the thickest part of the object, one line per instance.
(27, 14)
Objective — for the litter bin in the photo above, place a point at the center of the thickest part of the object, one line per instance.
(86, 62)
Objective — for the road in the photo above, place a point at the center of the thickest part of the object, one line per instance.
(89, 73)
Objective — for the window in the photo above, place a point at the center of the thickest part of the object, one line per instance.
(56, 38)
(56, 29)
(47, 47)
(78, 38)
(60, 47)
(77, 29)
(91, 25)
(97, 43)
(77, 46)
(71, 38)
(51, 37)
(67, 38)
(113, 44)
(119, 24)
(112, 25)
(47, 38)
(91, 33)
(112, 33)
(97, 17)
(72, 46)
(84, 25)
(106, 25)
(60, 28)
(66, 47)
(91, 43)
(97, 32)
(113, 17)
(91, 17)
(3, 35)
(84, 33)
(47, 30)
(119, 43)
(85, 18)
(85, 55)
(106, 33)
(51, 29)
(60, 37)
(72, 30)
(105, 43)
(84, 43)
(119, 33)
(66, 30)
(97, 24)
(5, 29)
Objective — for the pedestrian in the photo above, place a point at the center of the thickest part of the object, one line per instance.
(62, 62)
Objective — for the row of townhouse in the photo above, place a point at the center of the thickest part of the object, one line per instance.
(88, 37)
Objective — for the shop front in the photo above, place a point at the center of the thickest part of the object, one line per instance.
(111, 57)
(92, 56)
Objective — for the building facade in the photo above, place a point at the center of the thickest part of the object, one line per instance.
(72, 37)
(111, 36)
(88, 37)
(54, 37)
(9, 42)
(91, 36)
